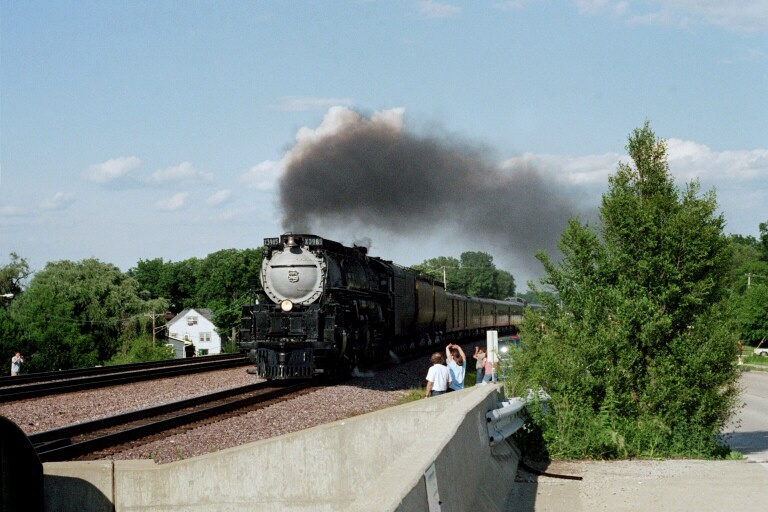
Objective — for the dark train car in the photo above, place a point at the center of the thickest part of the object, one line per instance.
(328, 308)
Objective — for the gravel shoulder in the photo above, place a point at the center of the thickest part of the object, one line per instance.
(643, 486)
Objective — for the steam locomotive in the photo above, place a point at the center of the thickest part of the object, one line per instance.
(327, 308)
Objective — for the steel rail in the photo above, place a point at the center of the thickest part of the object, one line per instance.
(80, 384)
(29, 378)
(58, 445)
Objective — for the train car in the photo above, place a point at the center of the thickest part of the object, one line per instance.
(327, 308)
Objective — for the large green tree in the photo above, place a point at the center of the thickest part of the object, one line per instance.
(74, 314)
(634, 349)
(173, 281)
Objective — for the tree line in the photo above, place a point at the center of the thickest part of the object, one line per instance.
(86, 313)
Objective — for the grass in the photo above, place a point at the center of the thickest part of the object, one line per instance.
(418, 393)
(759, 360)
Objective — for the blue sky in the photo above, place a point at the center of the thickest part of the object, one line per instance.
(160, 129)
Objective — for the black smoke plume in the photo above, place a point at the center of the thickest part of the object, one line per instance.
(375, 174)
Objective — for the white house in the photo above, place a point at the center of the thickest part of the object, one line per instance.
(194, 326)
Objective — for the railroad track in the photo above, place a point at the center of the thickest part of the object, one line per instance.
(68, 381)
(98, 438)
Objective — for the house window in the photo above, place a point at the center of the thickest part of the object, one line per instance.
(191, 320)
(202, 352)
(205, 337)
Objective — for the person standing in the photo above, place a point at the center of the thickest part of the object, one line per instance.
(479, 356)
(457, 366)
(16, 362)
(438, 376)
(515, 338)
(490, 366)
(741, 352)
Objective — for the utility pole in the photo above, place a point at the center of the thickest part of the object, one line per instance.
(153, 315)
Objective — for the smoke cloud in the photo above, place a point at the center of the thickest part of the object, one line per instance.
(372, 172)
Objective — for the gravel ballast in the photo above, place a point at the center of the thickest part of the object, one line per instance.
(358, 396)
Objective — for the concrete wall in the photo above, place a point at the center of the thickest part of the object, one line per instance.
(372, 462)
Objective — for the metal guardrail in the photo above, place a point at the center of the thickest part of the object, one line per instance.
(505, 420)
(509, 416)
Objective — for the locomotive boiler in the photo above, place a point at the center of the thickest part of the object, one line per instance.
(327, 308)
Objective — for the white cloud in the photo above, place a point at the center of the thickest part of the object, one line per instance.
(432, 9)
(59, 201)
(111, 170)
(238, 213)
(10, 211)
(597, 6)
(514, 4)
(742, 16)
(263, 176)
(338, 118)
(690, 160)
(174, 203)
(303, 104)
(184, 173)
(740, 178)
(218, 197)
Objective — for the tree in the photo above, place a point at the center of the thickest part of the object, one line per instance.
(174, 281)
(13, 276)
(443, 269)
(74, 314)
(746, 252)
(636, 351)
(474, 274)
(752, 313)
(225, 281)
(763, 226)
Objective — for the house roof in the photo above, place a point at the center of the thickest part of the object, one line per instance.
(204, 312)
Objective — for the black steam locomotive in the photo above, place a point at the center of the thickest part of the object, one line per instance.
(328, 308)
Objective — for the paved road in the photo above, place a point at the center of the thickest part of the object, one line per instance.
(672, 485)
(748, 431)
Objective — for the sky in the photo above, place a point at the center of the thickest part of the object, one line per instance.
(165, 129)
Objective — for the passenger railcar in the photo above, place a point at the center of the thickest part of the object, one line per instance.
(327, 308)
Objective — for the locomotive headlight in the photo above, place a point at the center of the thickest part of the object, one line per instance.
(504, 349)
(286, 305)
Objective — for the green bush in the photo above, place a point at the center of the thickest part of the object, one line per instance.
(634, 345)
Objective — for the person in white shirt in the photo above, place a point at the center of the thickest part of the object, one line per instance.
(438, 376)
(16, 361)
